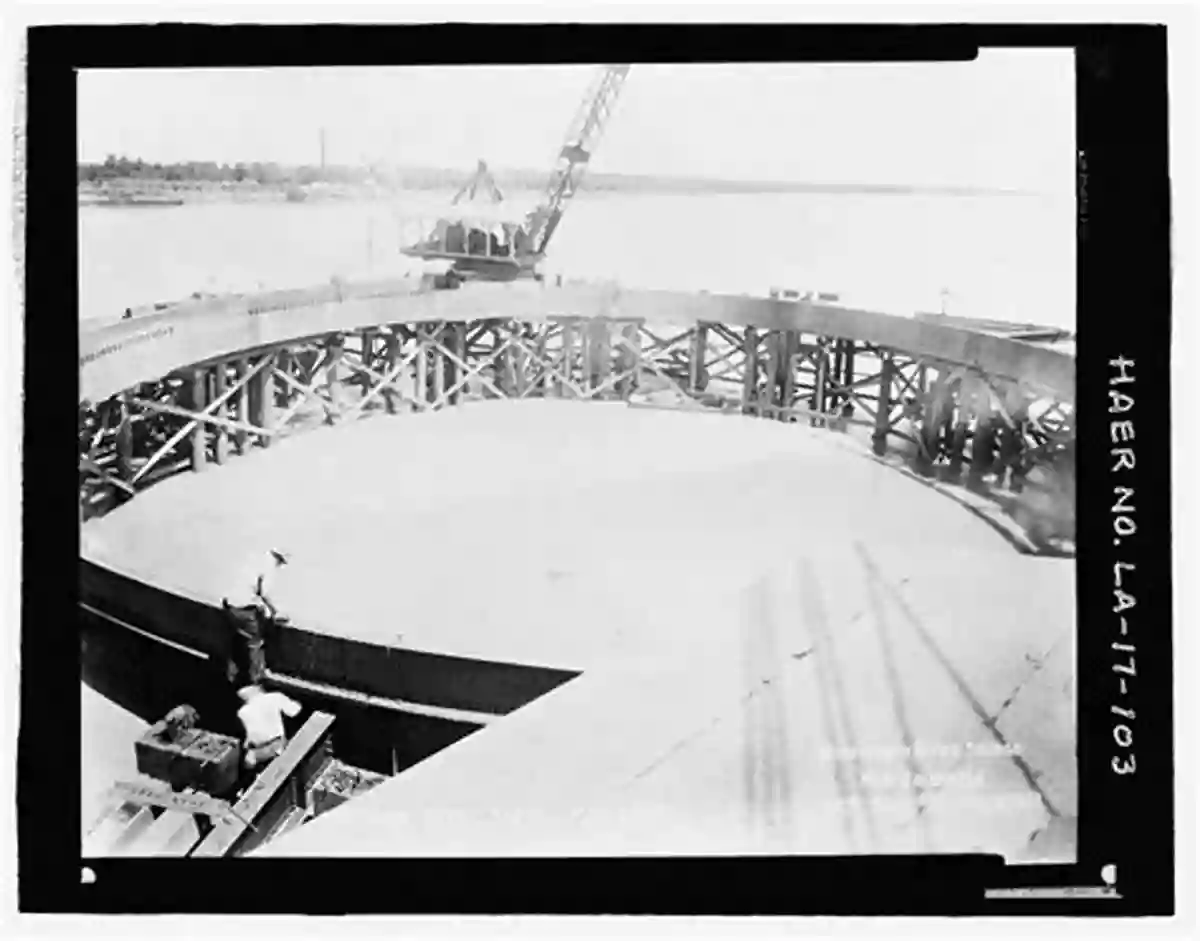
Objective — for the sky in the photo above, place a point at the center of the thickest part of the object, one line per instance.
(1005, 120)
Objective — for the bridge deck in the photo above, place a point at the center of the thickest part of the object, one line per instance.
(680, 560)
(539, 532)
(731, 745)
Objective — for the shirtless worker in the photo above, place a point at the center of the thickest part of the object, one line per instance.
(250, 608)
(261, 716)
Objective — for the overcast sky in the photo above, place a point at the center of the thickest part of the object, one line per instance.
(1005, 120)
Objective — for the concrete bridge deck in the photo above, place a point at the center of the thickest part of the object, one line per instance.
(780, 726)
(746, 600)
(534, 531)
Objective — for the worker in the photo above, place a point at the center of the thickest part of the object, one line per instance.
(456, 239)
(251, 610)
(477, 242)
(261, 716)
(521, 243)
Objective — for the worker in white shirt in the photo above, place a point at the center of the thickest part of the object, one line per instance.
(250, 608)
(262, 719)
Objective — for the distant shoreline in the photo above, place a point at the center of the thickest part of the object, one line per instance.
(131, 191)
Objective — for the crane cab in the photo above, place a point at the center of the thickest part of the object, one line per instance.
(480, 243)
(497, 244)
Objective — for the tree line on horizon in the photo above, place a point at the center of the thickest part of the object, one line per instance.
(209, 171)
(122, 168)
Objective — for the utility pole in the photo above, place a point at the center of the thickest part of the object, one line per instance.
(322, 150)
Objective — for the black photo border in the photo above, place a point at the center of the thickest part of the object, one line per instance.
(1124, 303)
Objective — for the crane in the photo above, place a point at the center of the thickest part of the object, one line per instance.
(582, 137)
(475, 251)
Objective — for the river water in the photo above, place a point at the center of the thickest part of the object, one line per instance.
(1008, 257)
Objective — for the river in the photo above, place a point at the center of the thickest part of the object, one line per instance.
(999, 256)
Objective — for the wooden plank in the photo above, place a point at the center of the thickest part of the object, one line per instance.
(956, 412)
(979, 405)
(834, 378)
(958, 444)
(172, 834)
(272, 786)
(468, 372)
(543, 382)
(543, 364)
(241, 403)
(262, 408)
(585, 355)
(1011, 445)
(697, 359)
(421, 382)
(601, 347)
(221, 436)
(449, 340)
(392, 358)
(333, 376)
(114, 827)
(282, 392)
(787, 392)
(820, 389)
(437, 365)
(385, 385)
(848, 373)
(186, 802)
(124, 441)
(630, 358)
(368, 347)
(750, 373)
(568, 358)
(887, 371)
(474, 334)
(502, 358)
(520, 364)
(983, 450)
(774, 384)
(931, 425)
(208, 419)
(456, 342)
(303, 395)
(730, 337)
(198, 387)
(127, 842)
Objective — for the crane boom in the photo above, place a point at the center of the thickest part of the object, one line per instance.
(582, 136)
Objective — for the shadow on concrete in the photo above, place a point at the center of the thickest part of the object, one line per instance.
(149, 678)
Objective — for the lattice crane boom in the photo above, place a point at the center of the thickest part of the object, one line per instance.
(582, 136)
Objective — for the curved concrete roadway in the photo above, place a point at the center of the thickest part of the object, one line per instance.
(785, 647)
